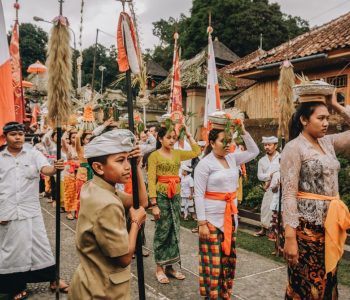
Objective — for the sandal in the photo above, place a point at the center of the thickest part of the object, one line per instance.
(21, 295)
(162, 278)
(260, 233)
(70, 217)
(175, 274)
(63, 287)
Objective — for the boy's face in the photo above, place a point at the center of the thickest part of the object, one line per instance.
(116, 170)
(15, 139)
(184, 173)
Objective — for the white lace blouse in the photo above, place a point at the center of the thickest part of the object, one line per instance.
(305, 169)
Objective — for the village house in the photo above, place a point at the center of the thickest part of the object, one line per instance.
(321, 53)
(194, 83)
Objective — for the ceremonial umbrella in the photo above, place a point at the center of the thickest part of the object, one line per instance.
(26, 84)
(37, 68)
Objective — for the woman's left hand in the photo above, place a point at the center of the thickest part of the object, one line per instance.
(136, 152)
(187, 132)
(331, 100)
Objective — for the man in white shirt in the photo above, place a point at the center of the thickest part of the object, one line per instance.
(25, 250)
(267, 166)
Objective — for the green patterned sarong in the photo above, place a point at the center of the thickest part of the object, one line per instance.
(167, 233)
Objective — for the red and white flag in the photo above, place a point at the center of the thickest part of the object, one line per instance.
(176, 93)
(128, 51)
(212, 98)
(7, 107)
(17, 74)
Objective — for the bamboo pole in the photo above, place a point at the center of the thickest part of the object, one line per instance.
(135, 180)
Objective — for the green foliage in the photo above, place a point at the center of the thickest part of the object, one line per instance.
(237, 23)
(344, 180)
(33, 45)
(253, 192)
(104, 57)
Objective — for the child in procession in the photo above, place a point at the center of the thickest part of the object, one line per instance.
(103, 243)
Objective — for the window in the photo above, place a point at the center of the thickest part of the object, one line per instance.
(341, 98)
(338, 81)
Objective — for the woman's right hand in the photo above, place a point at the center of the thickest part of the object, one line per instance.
(156, 213)
(138, 214)
(291, 252)
(204, 232)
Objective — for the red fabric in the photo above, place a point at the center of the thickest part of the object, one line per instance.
(230, 210)
(7, 107)
(17, 75)
(172, 181)
(176, 99)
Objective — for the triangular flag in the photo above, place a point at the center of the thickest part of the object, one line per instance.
(212, 98)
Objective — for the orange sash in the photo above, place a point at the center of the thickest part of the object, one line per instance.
(73, 165)
(230, 210)
(172, 181)
(336, 224)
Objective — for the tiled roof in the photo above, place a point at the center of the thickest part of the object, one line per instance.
(330, 36)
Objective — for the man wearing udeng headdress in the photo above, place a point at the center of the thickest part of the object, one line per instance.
(104, 245)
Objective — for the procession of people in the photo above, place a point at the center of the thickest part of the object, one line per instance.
(106, 176)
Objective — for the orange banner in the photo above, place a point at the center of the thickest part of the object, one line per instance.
(17, 74)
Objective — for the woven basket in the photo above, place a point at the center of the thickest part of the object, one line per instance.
(218, 117)
(313, 89)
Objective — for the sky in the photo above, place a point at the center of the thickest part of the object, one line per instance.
(103, 14)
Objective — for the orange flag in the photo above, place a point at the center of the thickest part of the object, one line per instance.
(17, 74)
(7, 108)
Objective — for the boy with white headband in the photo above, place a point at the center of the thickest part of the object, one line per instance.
(104, 245)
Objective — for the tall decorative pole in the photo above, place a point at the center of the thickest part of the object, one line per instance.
(285, 95)
(59, 64)
(128, 61)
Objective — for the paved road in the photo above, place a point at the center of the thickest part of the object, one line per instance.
(257, 278)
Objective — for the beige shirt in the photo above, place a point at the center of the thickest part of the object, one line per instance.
(101, 236)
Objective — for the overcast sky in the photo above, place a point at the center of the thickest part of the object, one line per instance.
(103, 14)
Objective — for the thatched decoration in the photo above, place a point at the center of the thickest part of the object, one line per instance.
(285, 94)
(59, 63)
(194, 75)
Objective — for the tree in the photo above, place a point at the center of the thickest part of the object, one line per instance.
(104, 57)
(237, 23)
(33, 45)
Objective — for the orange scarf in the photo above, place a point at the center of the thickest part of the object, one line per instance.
(172, 181)
(336, 224)
(230, 210)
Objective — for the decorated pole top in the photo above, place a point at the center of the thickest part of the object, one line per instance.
(16, 7)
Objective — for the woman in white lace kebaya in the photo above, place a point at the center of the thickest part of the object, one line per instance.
(314, 217)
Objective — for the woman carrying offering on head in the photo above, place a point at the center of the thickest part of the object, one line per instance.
(215, 185)
(164, 193)
(314, 217)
